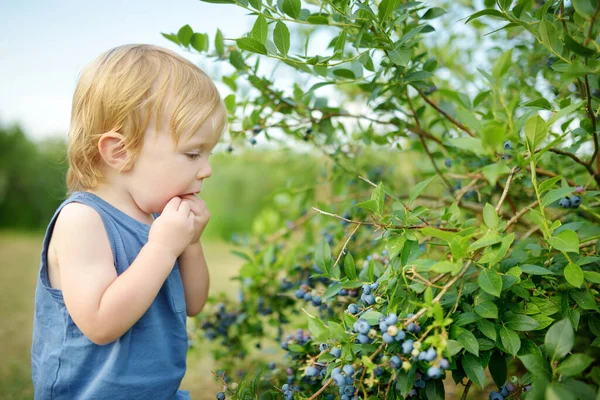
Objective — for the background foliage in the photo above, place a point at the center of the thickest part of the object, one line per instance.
(488, 256)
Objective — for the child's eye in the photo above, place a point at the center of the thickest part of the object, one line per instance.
(192, 156)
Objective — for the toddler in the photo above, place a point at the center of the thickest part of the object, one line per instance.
(121, 264)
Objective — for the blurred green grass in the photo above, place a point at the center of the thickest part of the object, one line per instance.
(20, 255)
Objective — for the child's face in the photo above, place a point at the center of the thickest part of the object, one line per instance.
(163, 170)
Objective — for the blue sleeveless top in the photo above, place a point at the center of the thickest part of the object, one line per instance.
(147, 362)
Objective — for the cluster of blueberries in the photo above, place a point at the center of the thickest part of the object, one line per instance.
(304, 293)
(570, 202)
(504, 392)
(288, 393)
(223, 321)
(344, 379)
(301, 338)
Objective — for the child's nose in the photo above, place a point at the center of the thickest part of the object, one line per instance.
(204, 172)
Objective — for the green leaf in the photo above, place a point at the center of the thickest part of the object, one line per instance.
(371, 316)
(518, 9)
(510, 340)
(468, 341)
(547, 184)
(574, 274)
(369, 205)
(585, 8)
(498, 368)
(558, 391)
(502, 64)
(323, 256)
(291, 8)
(349, 267)
(565, 111)
(489, 12)
(535, 270)
(493, 171)
(567, 241)
(199, 42)
(395, 245)
(489, 239)
(520, 322)
(490, 281)
(473, 369)
(539, 103)
(252, 45)
(318, 330)
(260, 30)
(332, 291)
(487, 309)
(219, 43)
(386, 8)
(171, 37)
(555, 194)
(535, 131)
(487, 328)
(281, 37)
(400, 57)
(185, 35)
(536, 364)
(317, 19)
(489, 216)
(592, 276)
(468, 143)
(585, 300)
(433, 12)
(378, 196)
(559, 339)
(230, 103)
(414, 193)
(574, 365)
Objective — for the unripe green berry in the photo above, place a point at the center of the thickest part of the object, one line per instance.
(417, 345)
(392, 330)
(372, 333)
(406, 365)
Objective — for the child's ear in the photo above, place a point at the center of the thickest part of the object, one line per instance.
(111, 147)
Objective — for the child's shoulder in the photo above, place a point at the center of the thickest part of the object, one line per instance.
(80, 229)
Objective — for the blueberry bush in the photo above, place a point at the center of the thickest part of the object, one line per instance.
(453, 235)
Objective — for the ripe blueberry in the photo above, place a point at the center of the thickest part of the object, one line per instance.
(575, 201)
(564, 202)
(496, 396)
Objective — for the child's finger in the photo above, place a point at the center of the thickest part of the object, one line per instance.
(172, 205)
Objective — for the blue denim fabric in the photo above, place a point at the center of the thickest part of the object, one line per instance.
(147, 362)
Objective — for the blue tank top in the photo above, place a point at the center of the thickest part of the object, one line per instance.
(147, 362)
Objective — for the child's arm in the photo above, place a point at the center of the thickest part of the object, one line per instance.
(103, 305)
(194, 274)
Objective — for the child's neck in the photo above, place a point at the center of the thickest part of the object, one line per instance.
(123, 201)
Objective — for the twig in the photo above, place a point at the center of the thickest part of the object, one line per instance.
(416, 117)
(442, 292)
(510, 177)
(445, 114)
(345, 244)
(467, 387)
(520, 214)
(318, 392)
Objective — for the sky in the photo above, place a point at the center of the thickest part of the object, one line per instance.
(45, 44)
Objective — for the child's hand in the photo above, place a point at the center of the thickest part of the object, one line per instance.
(175, 227)
(201, 215)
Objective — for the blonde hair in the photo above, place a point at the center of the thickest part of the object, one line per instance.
(121, 90)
